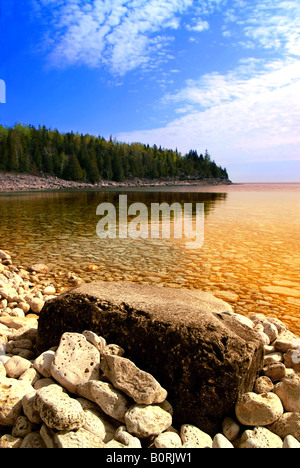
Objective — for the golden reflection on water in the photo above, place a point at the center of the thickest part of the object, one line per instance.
(250, 257)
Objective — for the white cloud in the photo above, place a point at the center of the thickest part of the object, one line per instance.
(126, 34)
(272, 24)
(250, 78)
(122, 34)
(251, 118)
(199, 26)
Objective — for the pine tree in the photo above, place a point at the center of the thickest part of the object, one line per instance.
(117, 169)
(72, 170)
(92, 171)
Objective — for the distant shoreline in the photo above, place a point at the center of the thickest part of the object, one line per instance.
(21, 182)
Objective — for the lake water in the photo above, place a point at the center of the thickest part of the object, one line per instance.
(250, 256)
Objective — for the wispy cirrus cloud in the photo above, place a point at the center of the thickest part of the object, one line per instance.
(270, 24)
(126, 34)
(251, 113)
(262, 121)
(250, 78)
(120, 34)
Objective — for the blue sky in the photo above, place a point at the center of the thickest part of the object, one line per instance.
(222, 75)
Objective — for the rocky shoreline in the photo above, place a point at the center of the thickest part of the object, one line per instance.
(11, 182)
(85, 393)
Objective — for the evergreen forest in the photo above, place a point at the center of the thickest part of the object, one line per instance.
(78, 157)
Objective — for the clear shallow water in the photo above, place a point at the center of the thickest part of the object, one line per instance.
(250, 256)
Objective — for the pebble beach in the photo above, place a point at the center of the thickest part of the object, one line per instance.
(41, 406)
(14, 182)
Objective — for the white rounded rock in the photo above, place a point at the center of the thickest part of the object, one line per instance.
(49, 291)
(221, 442)
(127, 439)
(260, 437)
(139, 385)
(287, 424)
(168, 439)
(36, 305)
(11, 393)
(288, 390)
(192, 436)
(110, 400)
(263, 385)
(98, 341)
(231, 429)
(76, 361)
(290, 442)
(16, 366)
(271, 331)
(273, 358)
(258, 410)
(147, 420)
(43, 363)
(58, 410)
(28, 404)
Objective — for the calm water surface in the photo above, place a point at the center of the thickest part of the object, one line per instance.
(250, 256)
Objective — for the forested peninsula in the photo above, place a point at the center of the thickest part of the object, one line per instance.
(87, 158)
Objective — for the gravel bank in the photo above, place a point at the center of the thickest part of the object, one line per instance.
(10, 182)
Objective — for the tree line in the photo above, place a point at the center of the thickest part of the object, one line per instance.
(78, 157)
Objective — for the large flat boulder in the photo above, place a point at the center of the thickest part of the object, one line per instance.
(202, 356)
